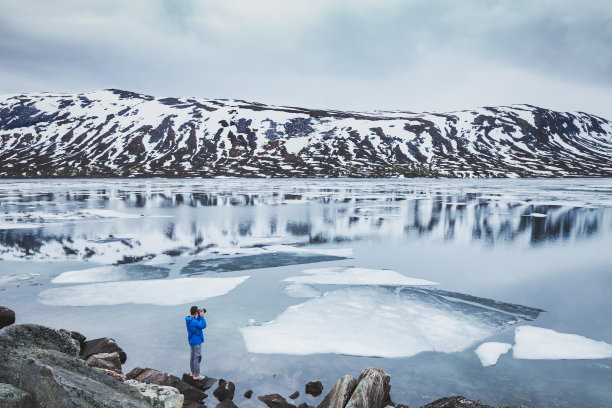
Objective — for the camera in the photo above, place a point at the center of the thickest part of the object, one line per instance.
(202, 310)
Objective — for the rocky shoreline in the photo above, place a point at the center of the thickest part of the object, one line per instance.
(44, 367)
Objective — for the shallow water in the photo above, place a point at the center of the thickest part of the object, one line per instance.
(505, 254)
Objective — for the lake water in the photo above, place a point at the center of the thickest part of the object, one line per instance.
(314, 279)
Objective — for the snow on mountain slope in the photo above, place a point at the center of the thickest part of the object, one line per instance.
(120, 133)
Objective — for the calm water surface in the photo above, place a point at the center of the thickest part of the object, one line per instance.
(126, 259)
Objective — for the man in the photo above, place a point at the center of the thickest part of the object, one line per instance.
(195, 324)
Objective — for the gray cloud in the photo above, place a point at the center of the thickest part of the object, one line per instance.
(346, 54)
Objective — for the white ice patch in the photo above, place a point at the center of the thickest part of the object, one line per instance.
(295, 144)
(298, 290)
(357, 276)
(537, 215)
(489, 352)
(537, 343)
(101, 274)
(373, 321)
(164, 292)
(160, 260)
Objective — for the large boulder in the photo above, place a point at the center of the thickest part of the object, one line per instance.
(456, 402)
(108, 361)
(225, 390)
(340, 393)
(152, 376)
(372, 390)
(226, 403)
(11, 397)
(314, 388)
(275, 401)
(102, 345)
(159, 396)
(7, 317)
(44, 363)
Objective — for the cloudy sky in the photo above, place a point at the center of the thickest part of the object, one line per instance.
(346, 54)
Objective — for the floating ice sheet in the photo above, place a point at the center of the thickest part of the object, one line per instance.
(378, 321)
(357, 276)
(164, 292)
(113, 273)
(268, 259)
(489, 352)
(298, 290)
(537, 343)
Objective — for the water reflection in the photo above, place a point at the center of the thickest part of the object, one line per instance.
(59, 221)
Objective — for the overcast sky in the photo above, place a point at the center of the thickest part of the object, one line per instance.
(345, 54)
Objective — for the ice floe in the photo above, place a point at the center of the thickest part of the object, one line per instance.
(489, 352)
(164, 292)
(357, 276)
(537, 343)
(113, 273)
(298, 290)
(377, 321)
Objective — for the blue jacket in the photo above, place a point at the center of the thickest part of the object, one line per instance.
(195, 325)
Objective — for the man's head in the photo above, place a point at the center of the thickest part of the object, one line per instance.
(193, 310)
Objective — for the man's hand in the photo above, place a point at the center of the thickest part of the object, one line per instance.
(201, 312)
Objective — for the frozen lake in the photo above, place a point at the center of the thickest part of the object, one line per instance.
(492, 289)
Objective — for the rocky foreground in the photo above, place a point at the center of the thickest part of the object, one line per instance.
(44, 367)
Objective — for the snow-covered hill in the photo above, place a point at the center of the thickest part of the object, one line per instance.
(120, 133)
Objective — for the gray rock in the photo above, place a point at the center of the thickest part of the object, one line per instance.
(159, 396)
(152, 376)
(7, 317)
(193, 404)
(44, 362)
(275, 401)
(314, 388)
(117, 376)
(294, 395)
(11, 397)
(102, 345)
(109, 361)
(203, 384)
(456, 402)
(75, 335)
(226, 403)
(372, 390)
(340, 393)
(225, 390)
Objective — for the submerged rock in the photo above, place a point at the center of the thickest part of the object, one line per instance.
(456, 402)
(152, 376)
(225, 390)
(102, 345)
(314, 388)
(44, 363)
(159, 396)
(11, 397)
(108, 361)
(275, 401)
(7, 317)
(372, 390)
(340, 393)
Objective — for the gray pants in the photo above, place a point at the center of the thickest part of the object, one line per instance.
(196, 359)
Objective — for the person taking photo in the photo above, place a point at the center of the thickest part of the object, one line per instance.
(195, 324)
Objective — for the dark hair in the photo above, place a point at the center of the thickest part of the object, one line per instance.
(193, 310)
